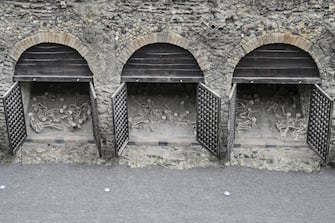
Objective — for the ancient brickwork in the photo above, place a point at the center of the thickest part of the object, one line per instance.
(218, 33)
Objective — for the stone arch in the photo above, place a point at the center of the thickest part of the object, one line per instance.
(49, 37)
(163, 37)
(248, 45)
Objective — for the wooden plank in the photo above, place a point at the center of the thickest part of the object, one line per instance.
(52, 60)
(250, 64)
(132, 66)
(280, 67)
(48, 59)
(186, 60)
(161, 47)
(51, 64)
(72, 55)
(165, 56)
(161, 62)
(54, 71)
(278, 51)
(46, 46)
(157, 72)
(276, 61)
(276, 73)
(49, 52)
(276, 54)
(279, 46)
(270, 57)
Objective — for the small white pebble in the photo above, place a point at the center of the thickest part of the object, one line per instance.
(2, 187)
(226, 193)
(107, 189)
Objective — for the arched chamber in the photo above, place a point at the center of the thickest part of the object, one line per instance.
(162, 101)
(52, 99)
(276, 100)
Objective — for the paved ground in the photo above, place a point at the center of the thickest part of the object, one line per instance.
(64, 193)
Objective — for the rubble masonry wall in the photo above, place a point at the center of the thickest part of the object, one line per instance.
(218, 33)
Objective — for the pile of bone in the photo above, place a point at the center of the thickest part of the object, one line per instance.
(286, 124)
(292, 126)
(149, 111)
(70, 116)
(245, 119)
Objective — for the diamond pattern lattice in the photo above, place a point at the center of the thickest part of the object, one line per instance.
(319, 125)
(15, 119)
(120, 112)
(208, 117)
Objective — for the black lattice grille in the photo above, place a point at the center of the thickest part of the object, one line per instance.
(231, 119)
(95, 121)
(15, 119)
(208, 116)
(319, 124)
(120, 110)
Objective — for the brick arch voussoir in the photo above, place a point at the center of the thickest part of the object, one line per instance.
(163, 37)
(249, 45)
(49, 37)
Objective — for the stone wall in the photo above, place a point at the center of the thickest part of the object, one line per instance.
(218, 33)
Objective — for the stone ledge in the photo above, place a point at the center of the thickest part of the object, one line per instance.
(172, 157)
(38, 153)
(280, 159)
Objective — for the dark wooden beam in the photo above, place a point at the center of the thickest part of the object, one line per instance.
(157, 79)
(275, 80)
(45, 78)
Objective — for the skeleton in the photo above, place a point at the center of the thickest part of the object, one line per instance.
(139, 124)
(145, 113)
(167, 112)
(52, 125)
(39, 126)
(182, 117)
(34, 124)
(295, 126)
(71, 116)
(245, 121)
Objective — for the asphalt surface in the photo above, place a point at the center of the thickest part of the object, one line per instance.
(62, 193)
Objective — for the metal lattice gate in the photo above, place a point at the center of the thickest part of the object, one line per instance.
(319, 124)
(208, 118)
(95, 121)
(15, 120)
(231, 119)
(120, 119)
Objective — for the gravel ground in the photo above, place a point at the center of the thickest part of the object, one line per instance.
(76, 193)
